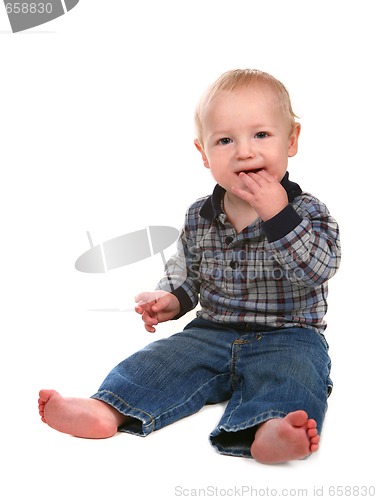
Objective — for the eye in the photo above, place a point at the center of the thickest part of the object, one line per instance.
(224, 141)
(261, 135)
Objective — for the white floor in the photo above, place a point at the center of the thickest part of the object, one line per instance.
(175, 461)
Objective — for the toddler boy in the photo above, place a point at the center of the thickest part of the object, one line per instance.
(257, 254)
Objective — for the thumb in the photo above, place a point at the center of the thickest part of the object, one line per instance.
(145, 297)
(140, 297)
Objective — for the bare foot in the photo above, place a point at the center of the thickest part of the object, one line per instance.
(282, 439)
(86, 418)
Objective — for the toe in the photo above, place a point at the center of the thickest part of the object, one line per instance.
(311, 423)
(297, 418)
(312, 432)
(314, 447)
(315, 439)
(46, 394)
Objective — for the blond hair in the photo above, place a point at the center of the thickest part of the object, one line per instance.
(240, 79)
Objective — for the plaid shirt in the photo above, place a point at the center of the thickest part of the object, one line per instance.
(272, 274)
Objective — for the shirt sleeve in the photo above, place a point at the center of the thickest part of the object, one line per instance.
(304, 239)
(182, 271)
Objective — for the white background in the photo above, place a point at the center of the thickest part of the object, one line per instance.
(96, 134)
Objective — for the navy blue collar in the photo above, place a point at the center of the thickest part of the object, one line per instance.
(212, 207)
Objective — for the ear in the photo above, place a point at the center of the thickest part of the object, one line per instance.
(293, 140)
(199, 147)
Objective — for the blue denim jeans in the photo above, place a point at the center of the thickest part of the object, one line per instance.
(262, 375)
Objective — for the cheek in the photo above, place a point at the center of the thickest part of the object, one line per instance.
(280, 153)
(218, 155)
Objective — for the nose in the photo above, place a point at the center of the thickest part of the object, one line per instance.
(245, 150)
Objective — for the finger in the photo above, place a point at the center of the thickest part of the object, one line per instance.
(260, 180)
(247, 179)
(252, 181)
(145, 297)
(140, 297)
(149, 319)
(243, 194)
(150, 329)
(141, 307)
(266, 176)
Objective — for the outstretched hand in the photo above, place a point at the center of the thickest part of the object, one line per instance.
(263, 192)
(156, 307)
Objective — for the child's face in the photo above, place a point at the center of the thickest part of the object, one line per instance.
(244, 131)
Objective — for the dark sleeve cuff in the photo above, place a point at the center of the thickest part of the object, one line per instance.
(281, 224)
(184, 300)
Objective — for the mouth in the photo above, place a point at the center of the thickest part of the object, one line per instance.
(250, 171)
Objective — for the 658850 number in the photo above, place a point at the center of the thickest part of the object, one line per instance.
(29, 8)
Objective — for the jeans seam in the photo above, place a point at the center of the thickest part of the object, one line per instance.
(235, 353)
(240, 401)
